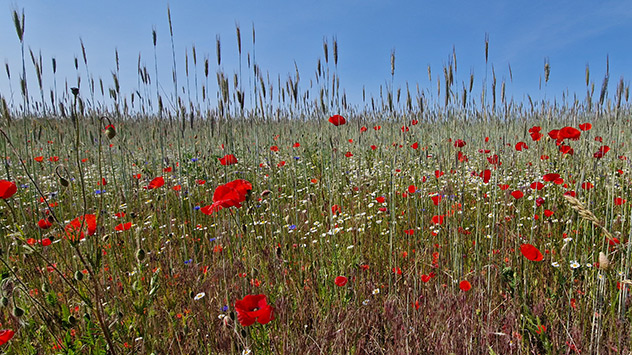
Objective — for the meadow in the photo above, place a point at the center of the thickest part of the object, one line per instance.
(414, 224)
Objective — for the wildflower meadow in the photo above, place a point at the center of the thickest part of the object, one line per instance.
(273, 219)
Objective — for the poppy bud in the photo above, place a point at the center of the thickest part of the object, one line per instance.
(75, 91)
(4, 301)
(110, 131)
(64, 182)
(140, 254)
(17, 312)
(86, 316)
(72, 320)
(78, 275)
(45, 287)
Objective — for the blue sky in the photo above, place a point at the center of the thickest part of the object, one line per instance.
(570, 34)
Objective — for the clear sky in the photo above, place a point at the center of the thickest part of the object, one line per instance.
(569, 33)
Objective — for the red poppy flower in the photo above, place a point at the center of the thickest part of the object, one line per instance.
(566, 149)
(54, 159)
(585, 126)
(551, 177)
(414, 122)
(155, 183)
(337, 120)
(544, 157)
(530, 252)
(254, 308)
(569, 133)
(231, 194)
(570, 193)
(119, 215)
(598, 139)
(380, 199)
(348, 154)
(409, 232)
(123, 226)
(437, 219)
(517, 194)
(425, 278)
(6, 335)
(548, 213)
(465, 285)
(438, 173)
(486, 175)
(587, 185)
(602, 151)
(39, 159)
(44, 223)
(167, 169)
(405, 129)
(200, 182)
(137, 176)
(274, 148)
(503, 186)
(363, 129)
(412, 189)
(296, 145)
(521, 145)
(103, 182)
(459, 143)
(7, 189)
(415, 145)
(494, 160)
(619, 201)
(436, 199)
(537, 185)
(535, 129)
(281, 164)
(228, 159)
(462, 158)
(341, 281)
(88, 221)
(336, 209)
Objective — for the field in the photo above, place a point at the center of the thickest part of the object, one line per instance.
(307, 226)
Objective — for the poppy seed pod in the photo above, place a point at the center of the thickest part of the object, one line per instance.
(64, 182)
(140, 254)
(18, 312)
(110, 131)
